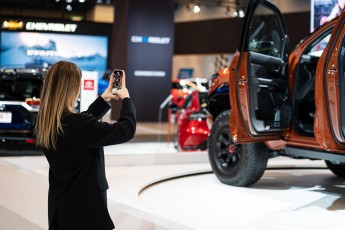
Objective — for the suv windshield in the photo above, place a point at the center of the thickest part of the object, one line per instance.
(13, 88)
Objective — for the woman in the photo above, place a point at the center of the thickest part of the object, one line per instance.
(72, 144)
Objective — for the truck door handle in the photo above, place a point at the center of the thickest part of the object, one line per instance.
(276, 68)
(242, 81)
(332, 70)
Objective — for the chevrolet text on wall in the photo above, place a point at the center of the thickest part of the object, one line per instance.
(39, 26)
(56, 27)
(150, 40)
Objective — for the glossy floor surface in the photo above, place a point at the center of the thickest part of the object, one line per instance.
(154, 187)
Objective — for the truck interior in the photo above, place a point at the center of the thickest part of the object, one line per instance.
(268, 82)
(304, 91)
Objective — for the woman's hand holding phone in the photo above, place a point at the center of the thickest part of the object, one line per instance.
(121, 91)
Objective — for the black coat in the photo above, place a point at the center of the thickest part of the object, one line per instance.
(77, 182)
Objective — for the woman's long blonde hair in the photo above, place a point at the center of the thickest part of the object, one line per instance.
(59, 94)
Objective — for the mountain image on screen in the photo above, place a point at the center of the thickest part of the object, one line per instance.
(33, 50)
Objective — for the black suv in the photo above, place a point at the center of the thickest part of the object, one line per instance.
(19, 103)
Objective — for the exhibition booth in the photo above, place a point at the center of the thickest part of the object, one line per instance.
(223, 138)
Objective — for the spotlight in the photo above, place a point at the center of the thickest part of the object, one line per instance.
(81, 1)
(69, 7)
(196, 9)
(241, 13)
(69, 1)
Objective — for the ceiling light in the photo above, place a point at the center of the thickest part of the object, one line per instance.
(196, 9)
(69, 7)
(68, 1)
(81, 1)
(241, 13)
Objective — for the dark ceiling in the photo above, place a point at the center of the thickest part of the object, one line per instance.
(29, 3)
(82, 7)
(51, 4)
(58, 4)
(215, 3)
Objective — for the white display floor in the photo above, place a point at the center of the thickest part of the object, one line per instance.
(154, 187)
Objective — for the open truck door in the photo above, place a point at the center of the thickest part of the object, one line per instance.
(260, 107)
(329, 123)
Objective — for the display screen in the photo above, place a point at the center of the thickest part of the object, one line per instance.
(31, 50)
(324, 10)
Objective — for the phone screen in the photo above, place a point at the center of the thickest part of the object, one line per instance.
(117, 80)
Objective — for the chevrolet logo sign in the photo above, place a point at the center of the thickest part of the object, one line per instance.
(56, 27)
(12, 25)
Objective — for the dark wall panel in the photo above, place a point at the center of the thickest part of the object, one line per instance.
(298, 26)
(223, 35)
(203, 37)
(143, 46)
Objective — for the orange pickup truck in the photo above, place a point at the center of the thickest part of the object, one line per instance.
(291, 105)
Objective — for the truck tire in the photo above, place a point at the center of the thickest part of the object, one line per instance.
(337, 169)
(235, 164)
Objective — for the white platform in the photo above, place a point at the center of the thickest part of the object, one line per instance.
(154, 187)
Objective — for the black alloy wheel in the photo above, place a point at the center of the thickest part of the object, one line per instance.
(227, 151)
(235, 164)
(337, 168)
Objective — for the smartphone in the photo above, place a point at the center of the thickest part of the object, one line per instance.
(117, 80)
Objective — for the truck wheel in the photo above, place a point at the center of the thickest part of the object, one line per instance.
(337, 169)
(235, 164)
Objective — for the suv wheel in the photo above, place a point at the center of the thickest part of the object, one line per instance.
(337, 169)
(235, 164)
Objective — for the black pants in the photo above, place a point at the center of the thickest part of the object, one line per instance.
(104, 197)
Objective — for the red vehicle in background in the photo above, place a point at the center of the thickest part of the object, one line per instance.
(192, 129)
(181, 88)
(187, 110)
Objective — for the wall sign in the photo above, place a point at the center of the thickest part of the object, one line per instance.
(323, 11)
(89, 84)
(150, 39)
(149, 73)
(50, 27)
(144, 40)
